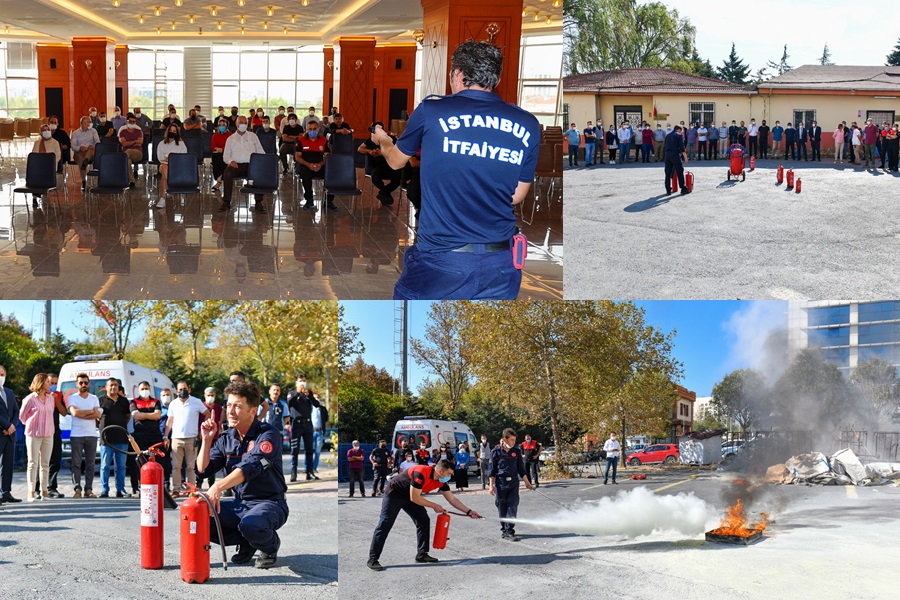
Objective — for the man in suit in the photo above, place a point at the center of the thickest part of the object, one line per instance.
(802, 138)
(301, 403)
(674, 155)
(9, 418)
(815, 138)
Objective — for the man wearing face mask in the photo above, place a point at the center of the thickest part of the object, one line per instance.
(406, 492)
(143, 121)
(165, 399)
(310, 117)
(183, 425)
(118, 120)
(484, 461)
(612, 447)
(132, 140)
(217, 415)
(291, 130)
(105, 128)
(381, 464)
(268, 137)
(172, 119)
(92, 113)
(300, 403)
(62, 138)
(238, 149)
(193, 122)
(279, 118)
(400, 453)
(85, 410)
(423, 456)
(310, 151)
(232, 119)
(146, 412)
(531, 449)
(506, 469)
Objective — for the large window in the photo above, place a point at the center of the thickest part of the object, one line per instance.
(805, 116)
(18, 81)
(254, 77)
(881, 333)
(702, 112)
(155, 80)
(878, 311)
(829, 315)
(833, 336)
(540, 77)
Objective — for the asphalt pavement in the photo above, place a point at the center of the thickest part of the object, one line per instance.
(839, 237)
(90, 548)
(824, 542)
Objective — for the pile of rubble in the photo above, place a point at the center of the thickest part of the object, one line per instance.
(842, 468)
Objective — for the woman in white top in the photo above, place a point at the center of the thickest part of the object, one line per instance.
(171, 144)
(856, 141)
(46, 143)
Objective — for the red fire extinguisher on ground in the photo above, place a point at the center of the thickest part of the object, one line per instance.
(194, 517)
(798, 185)
(780, 177)
(790, 179)
(152, 515)
(752, 163)
(441, 532)
(674, 182)
(689, 181)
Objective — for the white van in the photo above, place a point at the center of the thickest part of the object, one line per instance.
(435, 433)
(99, 370)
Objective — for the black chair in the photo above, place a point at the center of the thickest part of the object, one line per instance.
(263, 172)
(340, 175)
(100, 150)
(114, 177)
(370, 170)
(183, 178)
(40, 175)
(342, 143)
(269, 143)
(193, 139)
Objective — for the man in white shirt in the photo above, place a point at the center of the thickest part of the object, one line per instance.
(310, 117)
(753, 134)
(85, 410)
(236, 155)
(184, 425)
(84, 139)
(612, 447)
(318, 433)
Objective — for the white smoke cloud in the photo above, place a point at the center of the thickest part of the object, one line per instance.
(750, 333)
(632, 514)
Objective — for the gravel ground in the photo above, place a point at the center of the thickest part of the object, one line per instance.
(839, 238)
(824, 542)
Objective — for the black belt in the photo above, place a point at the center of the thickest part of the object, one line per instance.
(301, 420)
(491, 247)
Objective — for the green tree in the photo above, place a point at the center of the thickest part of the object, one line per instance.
(194, 319)
(810, 394)
(781, 67)
(825, 59)
(733, 69)
(893, 59)
(877, 387)
(17, 352)
(348, 341)
(441, 351)
(739, 398)
(694, 65)
(622, 34)
(118, 319)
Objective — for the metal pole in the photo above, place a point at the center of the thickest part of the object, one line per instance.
(48, 321)
(404, 342)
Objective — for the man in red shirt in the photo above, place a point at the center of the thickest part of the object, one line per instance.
(310, 151)
(531, 449)
(406, 492)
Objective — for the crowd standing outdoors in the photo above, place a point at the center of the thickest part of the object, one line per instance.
(867, 145)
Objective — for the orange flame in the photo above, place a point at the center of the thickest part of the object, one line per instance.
(735, 522)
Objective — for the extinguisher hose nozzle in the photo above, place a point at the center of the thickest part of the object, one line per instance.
(212, 511)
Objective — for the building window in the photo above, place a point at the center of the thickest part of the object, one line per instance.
(805, 116)
(18, 81)
(833, 336)
(839, 356)
(880, 116)
(702, 112)
(828, 315)
(879, 311)
(881, 333)
(540, 76)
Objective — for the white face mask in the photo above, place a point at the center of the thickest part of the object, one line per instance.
(2, 379)
(137, 113)
(117, 114)
(259, 113)
(266, 126)
(292, 122)
(144, 393)
(166, 398)
(130, 125)
(103, 119)
(45, 134)
(242, 127)
(210, 399)
(312, 112)
(53, 126)
(281, 111)
(93, 113)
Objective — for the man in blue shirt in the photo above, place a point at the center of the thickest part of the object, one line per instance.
(675, 154)
(574, 139)
(777, 132)
(478, 161)
(590, 137)
(250, 453)
(506, 468)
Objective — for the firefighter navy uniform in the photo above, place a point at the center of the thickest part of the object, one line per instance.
(259, 507)
(397, 498)
(507, 467)
(674, 148)
(475, 150)
(300, 404)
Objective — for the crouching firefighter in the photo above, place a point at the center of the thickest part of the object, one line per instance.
(506, 468)
(250, 453)
(406, 492)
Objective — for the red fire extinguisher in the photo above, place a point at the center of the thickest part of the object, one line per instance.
(194, 517)
(798, 185)
(152, 515)
(689, 181)
(790, 179)
(441, 532)
(752, 163)
(780, 177)
(674, 182)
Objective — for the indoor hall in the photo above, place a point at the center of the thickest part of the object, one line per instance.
(368, 60)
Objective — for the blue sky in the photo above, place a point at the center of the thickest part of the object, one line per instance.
(69, 317)
(713, 337)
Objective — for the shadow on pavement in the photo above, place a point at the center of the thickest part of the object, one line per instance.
(649, 203)
(308, 569)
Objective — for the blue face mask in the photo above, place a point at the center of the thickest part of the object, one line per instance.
(221, 129)
(314, 134)
(444, 479)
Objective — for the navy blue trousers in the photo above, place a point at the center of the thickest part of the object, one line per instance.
(250, 521)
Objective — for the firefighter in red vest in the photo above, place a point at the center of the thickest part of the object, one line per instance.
(406, 492)
(531, 448)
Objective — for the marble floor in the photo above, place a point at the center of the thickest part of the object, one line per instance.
(86, 246)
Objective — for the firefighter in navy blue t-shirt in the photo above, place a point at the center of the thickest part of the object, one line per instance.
(478, 160)
(507, 466)
(250, 453)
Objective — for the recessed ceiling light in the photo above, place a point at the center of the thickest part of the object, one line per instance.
(141, 19)
(285, 31)
(157, 31)
(549, 20)
(213, 11)
(156, 11)
(219, 25)
(173, 25)
(242, 31)
(243, 19)
(270, 11)
(265, 24)
(293, 18)
(191, 19)
(179, 2)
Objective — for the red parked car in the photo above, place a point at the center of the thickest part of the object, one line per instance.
(655, 453)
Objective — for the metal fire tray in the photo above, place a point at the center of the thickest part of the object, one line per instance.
(734, 539)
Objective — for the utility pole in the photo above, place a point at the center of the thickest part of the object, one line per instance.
(48, 321)
(404, 348)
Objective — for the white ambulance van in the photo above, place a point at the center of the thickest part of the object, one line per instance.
(435, 433)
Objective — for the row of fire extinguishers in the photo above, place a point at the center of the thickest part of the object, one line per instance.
(194, 514)
(689, 178)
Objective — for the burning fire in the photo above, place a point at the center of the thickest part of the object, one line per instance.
(735, 522)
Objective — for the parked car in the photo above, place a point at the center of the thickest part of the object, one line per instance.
(731, 447)
(655, 453)
(635, 448)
